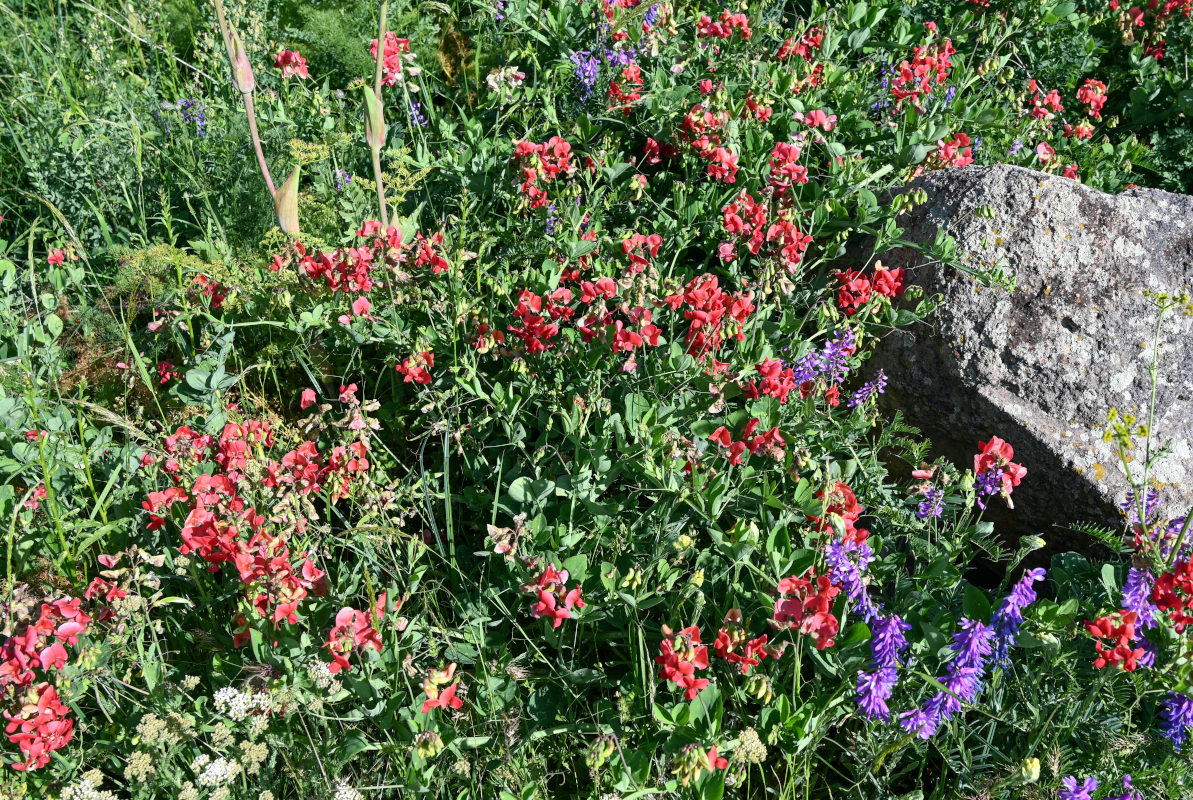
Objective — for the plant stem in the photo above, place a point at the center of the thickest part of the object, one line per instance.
(377, 91)
(250, 110)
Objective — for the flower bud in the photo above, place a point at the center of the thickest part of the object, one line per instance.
(1029, 770)
(374, 120)
(242, 69)
(285, 203)
(428, 744)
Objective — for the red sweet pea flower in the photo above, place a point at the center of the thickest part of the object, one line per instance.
(841, 504)
(56, 258)
(854, 292)
(888, 282)
(682, 655)
(291, 64)
(1119, 627)
(807, 606)
(417, 368)
(555, 602)
(441, 690)
(1173, 593)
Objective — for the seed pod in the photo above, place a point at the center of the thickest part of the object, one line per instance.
(374, 120)
(285, 203)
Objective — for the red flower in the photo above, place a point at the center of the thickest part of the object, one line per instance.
(555, 602)
(417, 368)
(682, 655)
(1119, 627)
(353, 631)
(291, 64)
(854, 292)
(56, 258)
(888, 282)
(441, 690)
(807, 605)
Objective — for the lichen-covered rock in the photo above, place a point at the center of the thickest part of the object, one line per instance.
(1042, 365)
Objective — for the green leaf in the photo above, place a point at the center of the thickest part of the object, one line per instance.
(975, 605)
(54, 326)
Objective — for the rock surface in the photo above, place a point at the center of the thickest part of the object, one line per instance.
(1042, 365)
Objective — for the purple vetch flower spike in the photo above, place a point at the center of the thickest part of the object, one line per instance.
(932, 505)
(1176, 716)
(988, 483)
(587, 72)
(1137, 592)
(887, 644)
(416, 115)
(876, 386)
(1151, 504)
(1009, 616)
(1077, 791)
(847, 560)
(973, 644)
(874, 689)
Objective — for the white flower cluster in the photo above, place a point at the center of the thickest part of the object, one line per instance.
(217, 772)
(87, 789)
(346, 792)
(237, 705)
(320, 672)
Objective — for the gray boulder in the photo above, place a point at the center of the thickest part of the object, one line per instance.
(1042, 365)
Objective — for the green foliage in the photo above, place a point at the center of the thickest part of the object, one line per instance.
(251, 458)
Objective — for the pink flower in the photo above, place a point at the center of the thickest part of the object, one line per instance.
(291, 64)
(56, 258)
(361, 306)
(308, 399)
(1045, 152)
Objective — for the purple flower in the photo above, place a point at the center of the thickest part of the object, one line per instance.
(1129, 793)
(1151, 504)
(1009, 616)
(194, 113)
(887, 644)
(831, 360)
(1176, 716)
(1015, 148)
(652, 17)
(874, 689)
(587, 72)
(847, 561)
(341, 179)
(988, 483)
(932, 505)
(1137, 592)
(875, 386)
(887, 641)
(416, 116)
(973, 644)
(1077, 791)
